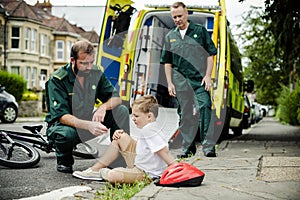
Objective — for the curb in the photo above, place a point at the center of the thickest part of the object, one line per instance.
(30, 119)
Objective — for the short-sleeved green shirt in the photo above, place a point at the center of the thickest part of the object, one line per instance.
(65, 95)
(188, 56)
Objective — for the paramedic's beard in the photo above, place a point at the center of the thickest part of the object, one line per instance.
(83, 73)
(80, 73)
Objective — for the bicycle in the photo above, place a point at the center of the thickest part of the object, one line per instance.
(16, 152)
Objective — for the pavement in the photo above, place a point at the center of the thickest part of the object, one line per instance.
(263, 163)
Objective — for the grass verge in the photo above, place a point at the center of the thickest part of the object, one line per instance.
(120, 191)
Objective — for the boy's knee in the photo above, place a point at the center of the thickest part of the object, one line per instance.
(122, 142)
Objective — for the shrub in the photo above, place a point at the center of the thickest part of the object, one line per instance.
(289, 105)
(13, 83)
(30, 96)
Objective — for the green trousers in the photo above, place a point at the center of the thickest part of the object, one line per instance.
(195, 113)
(65, 138)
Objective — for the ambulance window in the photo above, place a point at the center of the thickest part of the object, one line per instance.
(210, 25)
(116, 30)
(235, 58)
(108, 36)
(149, 21)
(108, 28)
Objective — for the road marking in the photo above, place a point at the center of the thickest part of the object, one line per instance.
(59, 193)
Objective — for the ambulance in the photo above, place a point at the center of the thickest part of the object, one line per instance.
(130, 46)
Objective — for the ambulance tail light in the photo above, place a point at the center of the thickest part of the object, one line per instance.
(126, 67)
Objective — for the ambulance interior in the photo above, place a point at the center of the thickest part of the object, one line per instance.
(149, 76)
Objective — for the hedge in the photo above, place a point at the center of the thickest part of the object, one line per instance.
(289, 105)
(13, 83)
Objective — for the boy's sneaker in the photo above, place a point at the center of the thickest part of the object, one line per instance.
(104, 172)
(88, 174)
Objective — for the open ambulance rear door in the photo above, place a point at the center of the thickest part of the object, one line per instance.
(112, 35)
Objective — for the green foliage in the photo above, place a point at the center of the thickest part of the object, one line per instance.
(120, 191)
(14, 84)
(285, 18)
(30, 96)
(266, 50)
(262, 67)
(289, 105)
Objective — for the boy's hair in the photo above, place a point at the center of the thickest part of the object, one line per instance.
(147, 103)
(84, 46)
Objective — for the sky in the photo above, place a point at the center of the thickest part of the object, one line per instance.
(234, 8)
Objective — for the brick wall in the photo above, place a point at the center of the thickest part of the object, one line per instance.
(30, 108)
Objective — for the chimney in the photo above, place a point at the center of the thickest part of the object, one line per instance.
(46, 6)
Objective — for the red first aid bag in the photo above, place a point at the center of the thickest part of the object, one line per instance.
(180, 174)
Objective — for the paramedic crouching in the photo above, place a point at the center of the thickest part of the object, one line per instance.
(71, 94)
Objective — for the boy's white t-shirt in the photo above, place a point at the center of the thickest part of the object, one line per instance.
(150, 140)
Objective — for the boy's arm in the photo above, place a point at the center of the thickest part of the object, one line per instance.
(166, 155)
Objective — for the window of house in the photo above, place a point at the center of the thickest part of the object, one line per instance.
(15, 37)
(43, 44)
(33, 40)
(60, 50)
(27, 38)
(43, 78)
(33, 77)
(27, 76)
(15, 70)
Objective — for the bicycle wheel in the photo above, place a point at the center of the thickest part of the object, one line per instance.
(85, 150)
(18, 155)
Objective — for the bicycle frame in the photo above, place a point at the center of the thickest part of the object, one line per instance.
(16, 153)
(34, 137)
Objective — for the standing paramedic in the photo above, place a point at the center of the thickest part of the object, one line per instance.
(72, 93)
(188, 60)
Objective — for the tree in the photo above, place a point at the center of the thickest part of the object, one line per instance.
(262, 66)
(273, 55)
(285, 26)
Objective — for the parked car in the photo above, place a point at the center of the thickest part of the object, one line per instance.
(258, 113)
(8, 106)
(265, 109)
(271, 112)
(247, 117)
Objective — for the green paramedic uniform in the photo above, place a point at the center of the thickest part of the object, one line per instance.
(65, 96)
(188, 57)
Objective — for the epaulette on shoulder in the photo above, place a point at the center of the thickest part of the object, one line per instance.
(60, 74)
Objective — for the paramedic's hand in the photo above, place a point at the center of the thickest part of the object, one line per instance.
(99, 114)
(97, 129)
(171, 89)
(117, 134)
(207, 82)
